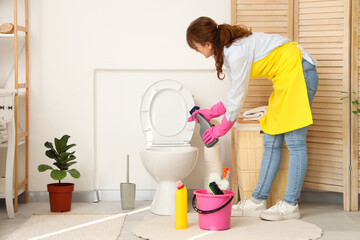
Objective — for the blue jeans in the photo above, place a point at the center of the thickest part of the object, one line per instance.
(296, 143)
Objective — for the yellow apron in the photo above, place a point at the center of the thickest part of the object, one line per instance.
(288, 107)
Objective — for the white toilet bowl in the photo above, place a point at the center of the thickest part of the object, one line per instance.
(167, 165)
(168, 156)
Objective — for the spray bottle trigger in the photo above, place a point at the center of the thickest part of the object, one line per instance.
(194, 109)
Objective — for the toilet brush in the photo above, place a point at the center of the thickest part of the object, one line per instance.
(127, 191)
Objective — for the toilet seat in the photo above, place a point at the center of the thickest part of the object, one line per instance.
(164, 112)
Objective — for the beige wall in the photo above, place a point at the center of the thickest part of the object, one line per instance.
(74, 44)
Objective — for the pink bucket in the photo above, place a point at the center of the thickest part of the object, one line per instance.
(214, 210)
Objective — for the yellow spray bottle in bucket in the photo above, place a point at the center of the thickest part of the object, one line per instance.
(181, 221)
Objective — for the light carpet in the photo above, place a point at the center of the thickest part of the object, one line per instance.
(71, 226)
(247, 228)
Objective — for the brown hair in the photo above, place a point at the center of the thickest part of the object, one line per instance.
(204, 29)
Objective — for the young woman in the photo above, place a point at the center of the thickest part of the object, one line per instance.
(293, 74)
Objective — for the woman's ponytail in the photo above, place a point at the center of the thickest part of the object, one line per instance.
(229, 34)
(225, 35)
(204, 29)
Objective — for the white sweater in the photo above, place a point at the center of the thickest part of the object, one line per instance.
(238, 58)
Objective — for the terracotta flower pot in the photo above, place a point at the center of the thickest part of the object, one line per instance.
(60, 195)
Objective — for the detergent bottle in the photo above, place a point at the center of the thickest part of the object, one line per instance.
(181, 221)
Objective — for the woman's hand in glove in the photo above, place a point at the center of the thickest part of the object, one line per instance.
(215, 111)
(217, 131)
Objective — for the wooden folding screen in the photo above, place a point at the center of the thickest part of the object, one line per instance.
(357, 51)
(322, 28)
(270, 16)
(355, 87)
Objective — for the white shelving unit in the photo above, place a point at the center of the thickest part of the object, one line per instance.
(7, 117)
(10, 184)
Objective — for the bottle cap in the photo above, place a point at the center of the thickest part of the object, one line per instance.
(179, 185)
(225, 171)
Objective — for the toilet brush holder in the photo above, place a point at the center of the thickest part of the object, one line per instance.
(127, 194)
(127, 191)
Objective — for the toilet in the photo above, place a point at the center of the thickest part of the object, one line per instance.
(168, 156)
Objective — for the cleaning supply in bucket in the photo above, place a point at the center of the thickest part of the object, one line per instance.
(213, 185)
(214, 211)
(214, 188)
(214, 177)
(127, 191)
(181, 221)
(224, 183)
(204, 125)
(226, 172)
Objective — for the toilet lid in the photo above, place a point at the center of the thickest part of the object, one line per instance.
(164, 112)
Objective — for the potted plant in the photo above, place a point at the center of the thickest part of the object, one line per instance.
(60, 193)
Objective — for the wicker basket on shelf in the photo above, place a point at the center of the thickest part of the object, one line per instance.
(7, 28)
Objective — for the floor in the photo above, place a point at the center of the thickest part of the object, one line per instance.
(336, 224)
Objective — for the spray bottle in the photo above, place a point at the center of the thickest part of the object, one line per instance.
(181, 221)
(204, 125)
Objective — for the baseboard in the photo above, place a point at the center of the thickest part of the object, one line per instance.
(83, 196)
(321, 197)
(114, 195)
(148, 195)
(92, 196)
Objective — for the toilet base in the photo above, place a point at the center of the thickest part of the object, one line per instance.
(164, 199)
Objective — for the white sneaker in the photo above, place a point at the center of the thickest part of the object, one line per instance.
(247, 208)
(281, 211)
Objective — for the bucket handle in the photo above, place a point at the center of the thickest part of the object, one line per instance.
(209, 211)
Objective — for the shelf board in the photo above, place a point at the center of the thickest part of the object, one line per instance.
(5, 144)
(11, 36)
(2, 35)
(2, 188)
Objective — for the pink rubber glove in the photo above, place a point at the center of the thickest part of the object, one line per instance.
(217, 131)
(215, 111)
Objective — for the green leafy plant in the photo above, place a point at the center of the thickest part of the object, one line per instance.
(63, 159)
(354, 101)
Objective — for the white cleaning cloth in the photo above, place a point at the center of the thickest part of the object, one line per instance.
(255, 113)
